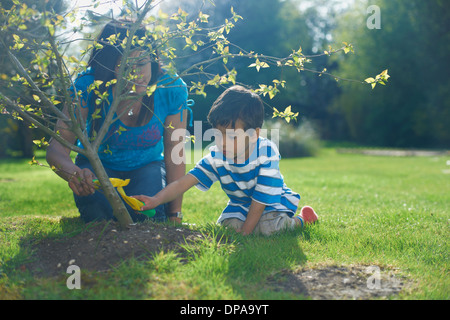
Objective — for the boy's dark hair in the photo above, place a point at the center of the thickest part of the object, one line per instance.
(236, 103)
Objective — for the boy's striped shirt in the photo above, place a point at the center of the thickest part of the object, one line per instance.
(258, 179)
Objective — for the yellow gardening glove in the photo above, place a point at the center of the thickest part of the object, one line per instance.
(119, 184)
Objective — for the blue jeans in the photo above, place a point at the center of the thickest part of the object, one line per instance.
(148, 180)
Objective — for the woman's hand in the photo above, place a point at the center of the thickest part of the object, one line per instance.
(58, 156)
(81, 182)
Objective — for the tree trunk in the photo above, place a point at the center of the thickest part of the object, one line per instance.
(119, 209)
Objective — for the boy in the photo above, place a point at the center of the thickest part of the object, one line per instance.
(246, 166)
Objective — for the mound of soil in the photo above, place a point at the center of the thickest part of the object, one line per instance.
(340, 283)
(104, 245)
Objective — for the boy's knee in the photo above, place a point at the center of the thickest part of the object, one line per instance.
(233, 223)
(274, 222)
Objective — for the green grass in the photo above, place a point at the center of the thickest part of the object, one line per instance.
(384, 211)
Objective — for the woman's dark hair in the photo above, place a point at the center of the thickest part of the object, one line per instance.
(105, 57)
(236, 103)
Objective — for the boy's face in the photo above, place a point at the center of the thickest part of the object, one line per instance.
(236, 143)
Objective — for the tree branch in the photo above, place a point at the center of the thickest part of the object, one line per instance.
(47, 103)
(11, 104)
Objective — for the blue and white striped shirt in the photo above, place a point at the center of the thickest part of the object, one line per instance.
(258, 179)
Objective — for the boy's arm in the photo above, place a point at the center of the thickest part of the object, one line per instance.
(169, 193)
(254, 214)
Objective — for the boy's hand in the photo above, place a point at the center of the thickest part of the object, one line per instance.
(149, 202)
(254, 214)
(245, 230)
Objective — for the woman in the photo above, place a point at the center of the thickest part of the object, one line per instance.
(138, 145)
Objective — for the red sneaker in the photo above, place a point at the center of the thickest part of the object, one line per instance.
(308, 215)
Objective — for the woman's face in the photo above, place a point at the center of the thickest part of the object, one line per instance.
(141, 71)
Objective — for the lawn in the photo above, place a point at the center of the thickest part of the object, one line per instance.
(375, 211)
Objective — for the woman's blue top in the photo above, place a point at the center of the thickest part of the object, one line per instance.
(127, 148)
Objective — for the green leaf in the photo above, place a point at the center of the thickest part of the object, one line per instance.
(276, 113)
(258, 64)
(40, 143)
(287, 114)
(120, 130)
(151, 90)
(203, 17)
(95, 114)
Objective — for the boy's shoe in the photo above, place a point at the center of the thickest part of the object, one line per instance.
(308, 215)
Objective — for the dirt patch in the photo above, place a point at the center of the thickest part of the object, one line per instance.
(340, 283)
(104, 245)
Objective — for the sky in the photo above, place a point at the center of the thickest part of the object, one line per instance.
(106, 5)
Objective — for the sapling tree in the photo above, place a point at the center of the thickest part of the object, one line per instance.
(51, 47)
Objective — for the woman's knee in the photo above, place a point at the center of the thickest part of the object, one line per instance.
(94, 207)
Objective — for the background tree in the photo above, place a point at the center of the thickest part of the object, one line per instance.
(276, 28)
(16, 137)
(414, 44)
